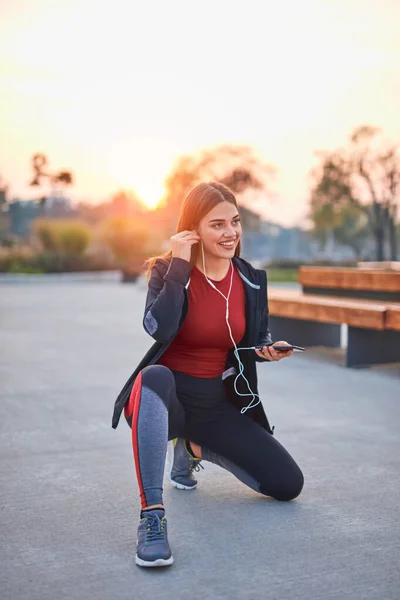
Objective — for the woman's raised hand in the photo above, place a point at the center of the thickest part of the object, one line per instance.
(182, 242)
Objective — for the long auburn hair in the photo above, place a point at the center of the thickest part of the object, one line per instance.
(199, 201)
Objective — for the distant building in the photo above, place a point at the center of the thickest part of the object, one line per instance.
(274, 242)
(251, 221)
(21, 213)
(56, 206)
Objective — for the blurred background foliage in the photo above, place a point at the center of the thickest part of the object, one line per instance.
(352, 213)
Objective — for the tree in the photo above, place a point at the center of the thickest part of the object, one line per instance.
(39, 164)
(353, 230)
(128, 239)
(3, 204)
(357, 189)
(375, 170)
(331, 199)
(126, 203)
(238, 167)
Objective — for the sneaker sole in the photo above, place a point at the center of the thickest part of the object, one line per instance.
(180, 486)
(160, 562)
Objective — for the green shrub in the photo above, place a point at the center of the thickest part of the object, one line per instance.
(282, 275)
(296, 264)
(57, 263)
(284, 264)
(66, 237)
(10, 258)
(28, 259)
(331, 263)
(128, 240)
(17, 267)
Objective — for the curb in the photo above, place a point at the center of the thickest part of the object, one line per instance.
(84, 276)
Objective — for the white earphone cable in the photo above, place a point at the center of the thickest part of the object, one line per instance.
(236, 350)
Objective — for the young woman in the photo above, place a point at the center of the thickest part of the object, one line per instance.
(206, 308)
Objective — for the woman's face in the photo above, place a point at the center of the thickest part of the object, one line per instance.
(220, 230)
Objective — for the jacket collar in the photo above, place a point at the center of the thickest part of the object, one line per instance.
(246, 271)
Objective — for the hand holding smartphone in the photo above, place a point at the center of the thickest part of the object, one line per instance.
(281, 348)
(286, 348)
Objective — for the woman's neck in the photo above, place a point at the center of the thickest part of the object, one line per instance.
(216, 267)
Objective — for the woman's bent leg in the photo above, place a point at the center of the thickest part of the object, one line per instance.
(155, 416)
(243, 447)
(230, 466)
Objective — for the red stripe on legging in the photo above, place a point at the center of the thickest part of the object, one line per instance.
(132, 408)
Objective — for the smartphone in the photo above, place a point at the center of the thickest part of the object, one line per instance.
(283, 348)
(286, 348)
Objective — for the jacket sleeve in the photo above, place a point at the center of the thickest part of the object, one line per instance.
(264, 337)
(165, 297)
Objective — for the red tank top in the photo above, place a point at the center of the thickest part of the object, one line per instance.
(201, 346)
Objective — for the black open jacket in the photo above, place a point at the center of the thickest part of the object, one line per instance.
(166, 309)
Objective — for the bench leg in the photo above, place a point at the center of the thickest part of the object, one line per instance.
(371, 347)
(305, 333)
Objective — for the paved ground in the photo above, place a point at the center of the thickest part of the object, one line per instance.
(68, 496)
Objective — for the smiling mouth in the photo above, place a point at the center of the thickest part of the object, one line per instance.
(227, 245)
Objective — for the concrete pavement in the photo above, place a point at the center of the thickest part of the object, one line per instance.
(68, 497)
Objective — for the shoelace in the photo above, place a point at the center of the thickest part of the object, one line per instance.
(195, 465)
(154, 528)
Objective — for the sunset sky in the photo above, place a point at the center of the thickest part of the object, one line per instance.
(115, 91)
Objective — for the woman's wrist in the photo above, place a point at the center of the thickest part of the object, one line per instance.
(178, 270)
(177, 257)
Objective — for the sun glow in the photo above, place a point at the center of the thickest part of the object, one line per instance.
(150, 194)
(129, 172)
(86, 93)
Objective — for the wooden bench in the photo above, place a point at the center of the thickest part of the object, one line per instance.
(369, 284)
(307, 318)
(393, 318)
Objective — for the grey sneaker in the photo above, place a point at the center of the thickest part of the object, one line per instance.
(183, 465)
(152, 542)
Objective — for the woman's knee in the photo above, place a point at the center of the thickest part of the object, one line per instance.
(158, 378)
(293, 486)
(288, 488)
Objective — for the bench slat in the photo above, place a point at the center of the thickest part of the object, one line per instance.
(293, 304)
(393, 318)
(350, 279)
